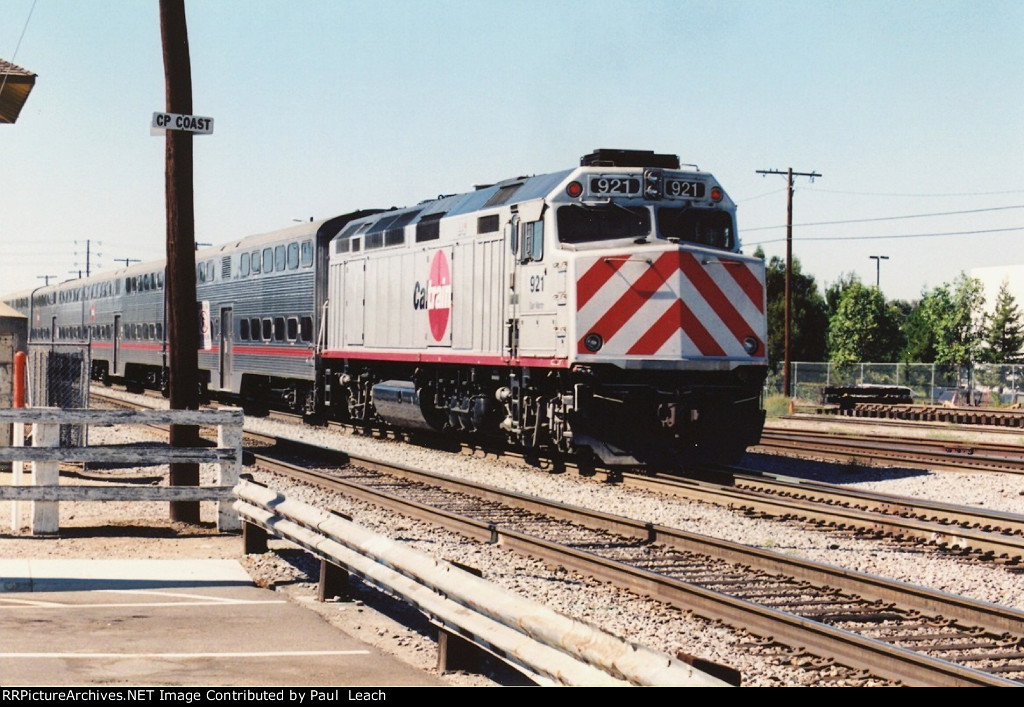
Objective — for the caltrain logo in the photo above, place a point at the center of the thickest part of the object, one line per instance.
(436, 297)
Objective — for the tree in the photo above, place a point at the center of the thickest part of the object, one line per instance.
(918, 335)
(834, 292)
(809, 319)
(863, 326)
(1005, 335)
(952, 316)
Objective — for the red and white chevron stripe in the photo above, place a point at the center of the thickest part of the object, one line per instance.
(671, 304)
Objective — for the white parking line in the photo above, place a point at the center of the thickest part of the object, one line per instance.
(181, 656)
(201, 597)
(135, 605)
(28, 602)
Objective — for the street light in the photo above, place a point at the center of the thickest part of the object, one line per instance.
(878, 267)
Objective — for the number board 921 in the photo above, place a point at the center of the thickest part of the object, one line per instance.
(684, 188)
(619, 186)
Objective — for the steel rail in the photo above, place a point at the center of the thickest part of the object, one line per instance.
(990, 521)
(953, 447)
(990, 534)
(875, 451)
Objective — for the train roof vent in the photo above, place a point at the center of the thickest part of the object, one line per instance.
(629, 158)
(502, 195)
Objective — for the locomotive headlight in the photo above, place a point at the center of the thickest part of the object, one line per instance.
(716, 194)
(574, 189)
(593, 342)
(750, 345)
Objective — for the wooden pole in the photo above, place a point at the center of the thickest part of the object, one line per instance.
(788, 303)
(787, 389)
(180, 279)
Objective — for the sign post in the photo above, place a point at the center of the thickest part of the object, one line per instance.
(180, 293)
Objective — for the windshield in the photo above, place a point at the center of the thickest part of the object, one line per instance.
(708, 227)
(578, 223)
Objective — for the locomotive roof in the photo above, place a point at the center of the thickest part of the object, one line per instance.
(533, 187)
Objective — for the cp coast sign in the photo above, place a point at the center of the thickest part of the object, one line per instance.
(173, 121)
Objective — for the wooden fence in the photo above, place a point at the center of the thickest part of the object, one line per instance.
(45, 492)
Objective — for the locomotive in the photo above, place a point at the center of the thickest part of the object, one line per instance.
(604, 310)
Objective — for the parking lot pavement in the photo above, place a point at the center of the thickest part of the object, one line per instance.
(87, 622)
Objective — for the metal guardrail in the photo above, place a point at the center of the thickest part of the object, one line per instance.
(45, 455)
(548, 646)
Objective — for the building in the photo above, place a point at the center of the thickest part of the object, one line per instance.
(994, 277)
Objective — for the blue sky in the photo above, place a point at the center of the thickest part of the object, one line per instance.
(321, 107)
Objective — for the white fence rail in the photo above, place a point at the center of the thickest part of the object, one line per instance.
(551, 647)
(45, 493)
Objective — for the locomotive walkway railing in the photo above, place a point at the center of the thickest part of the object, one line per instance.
(45, 492)
(548, 646)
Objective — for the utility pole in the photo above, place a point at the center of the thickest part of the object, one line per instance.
(787, 390)
(88, 256)
(127, 260)
(878, 268)
(46, 279)
(180, 290)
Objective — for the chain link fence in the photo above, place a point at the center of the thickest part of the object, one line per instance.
(58, 376)
(986, 384)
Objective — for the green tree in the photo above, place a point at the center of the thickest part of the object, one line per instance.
(918, 335)
(953, 314)
(1005, 335)
(809, 320)
(834, 292)
(863, 327)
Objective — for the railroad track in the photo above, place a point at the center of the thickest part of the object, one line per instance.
(915, 453)
(873, 626)
(983, 535)
(897, 425)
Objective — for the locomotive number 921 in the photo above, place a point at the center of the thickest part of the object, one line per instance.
(602, 310)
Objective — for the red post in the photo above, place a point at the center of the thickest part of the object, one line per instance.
(19, 379)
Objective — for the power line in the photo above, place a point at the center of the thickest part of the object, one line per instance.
(891, 218)
(917, 196)
(759, 196)
(18, 45)
(901, 235)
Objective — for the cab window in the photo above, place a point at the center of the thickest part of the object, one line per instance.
(533, 241)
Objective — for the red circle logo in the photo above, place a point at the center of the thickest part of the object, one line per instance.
(439, 295)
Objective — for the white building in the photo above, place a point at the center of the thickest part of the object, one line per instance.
(993, 277)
